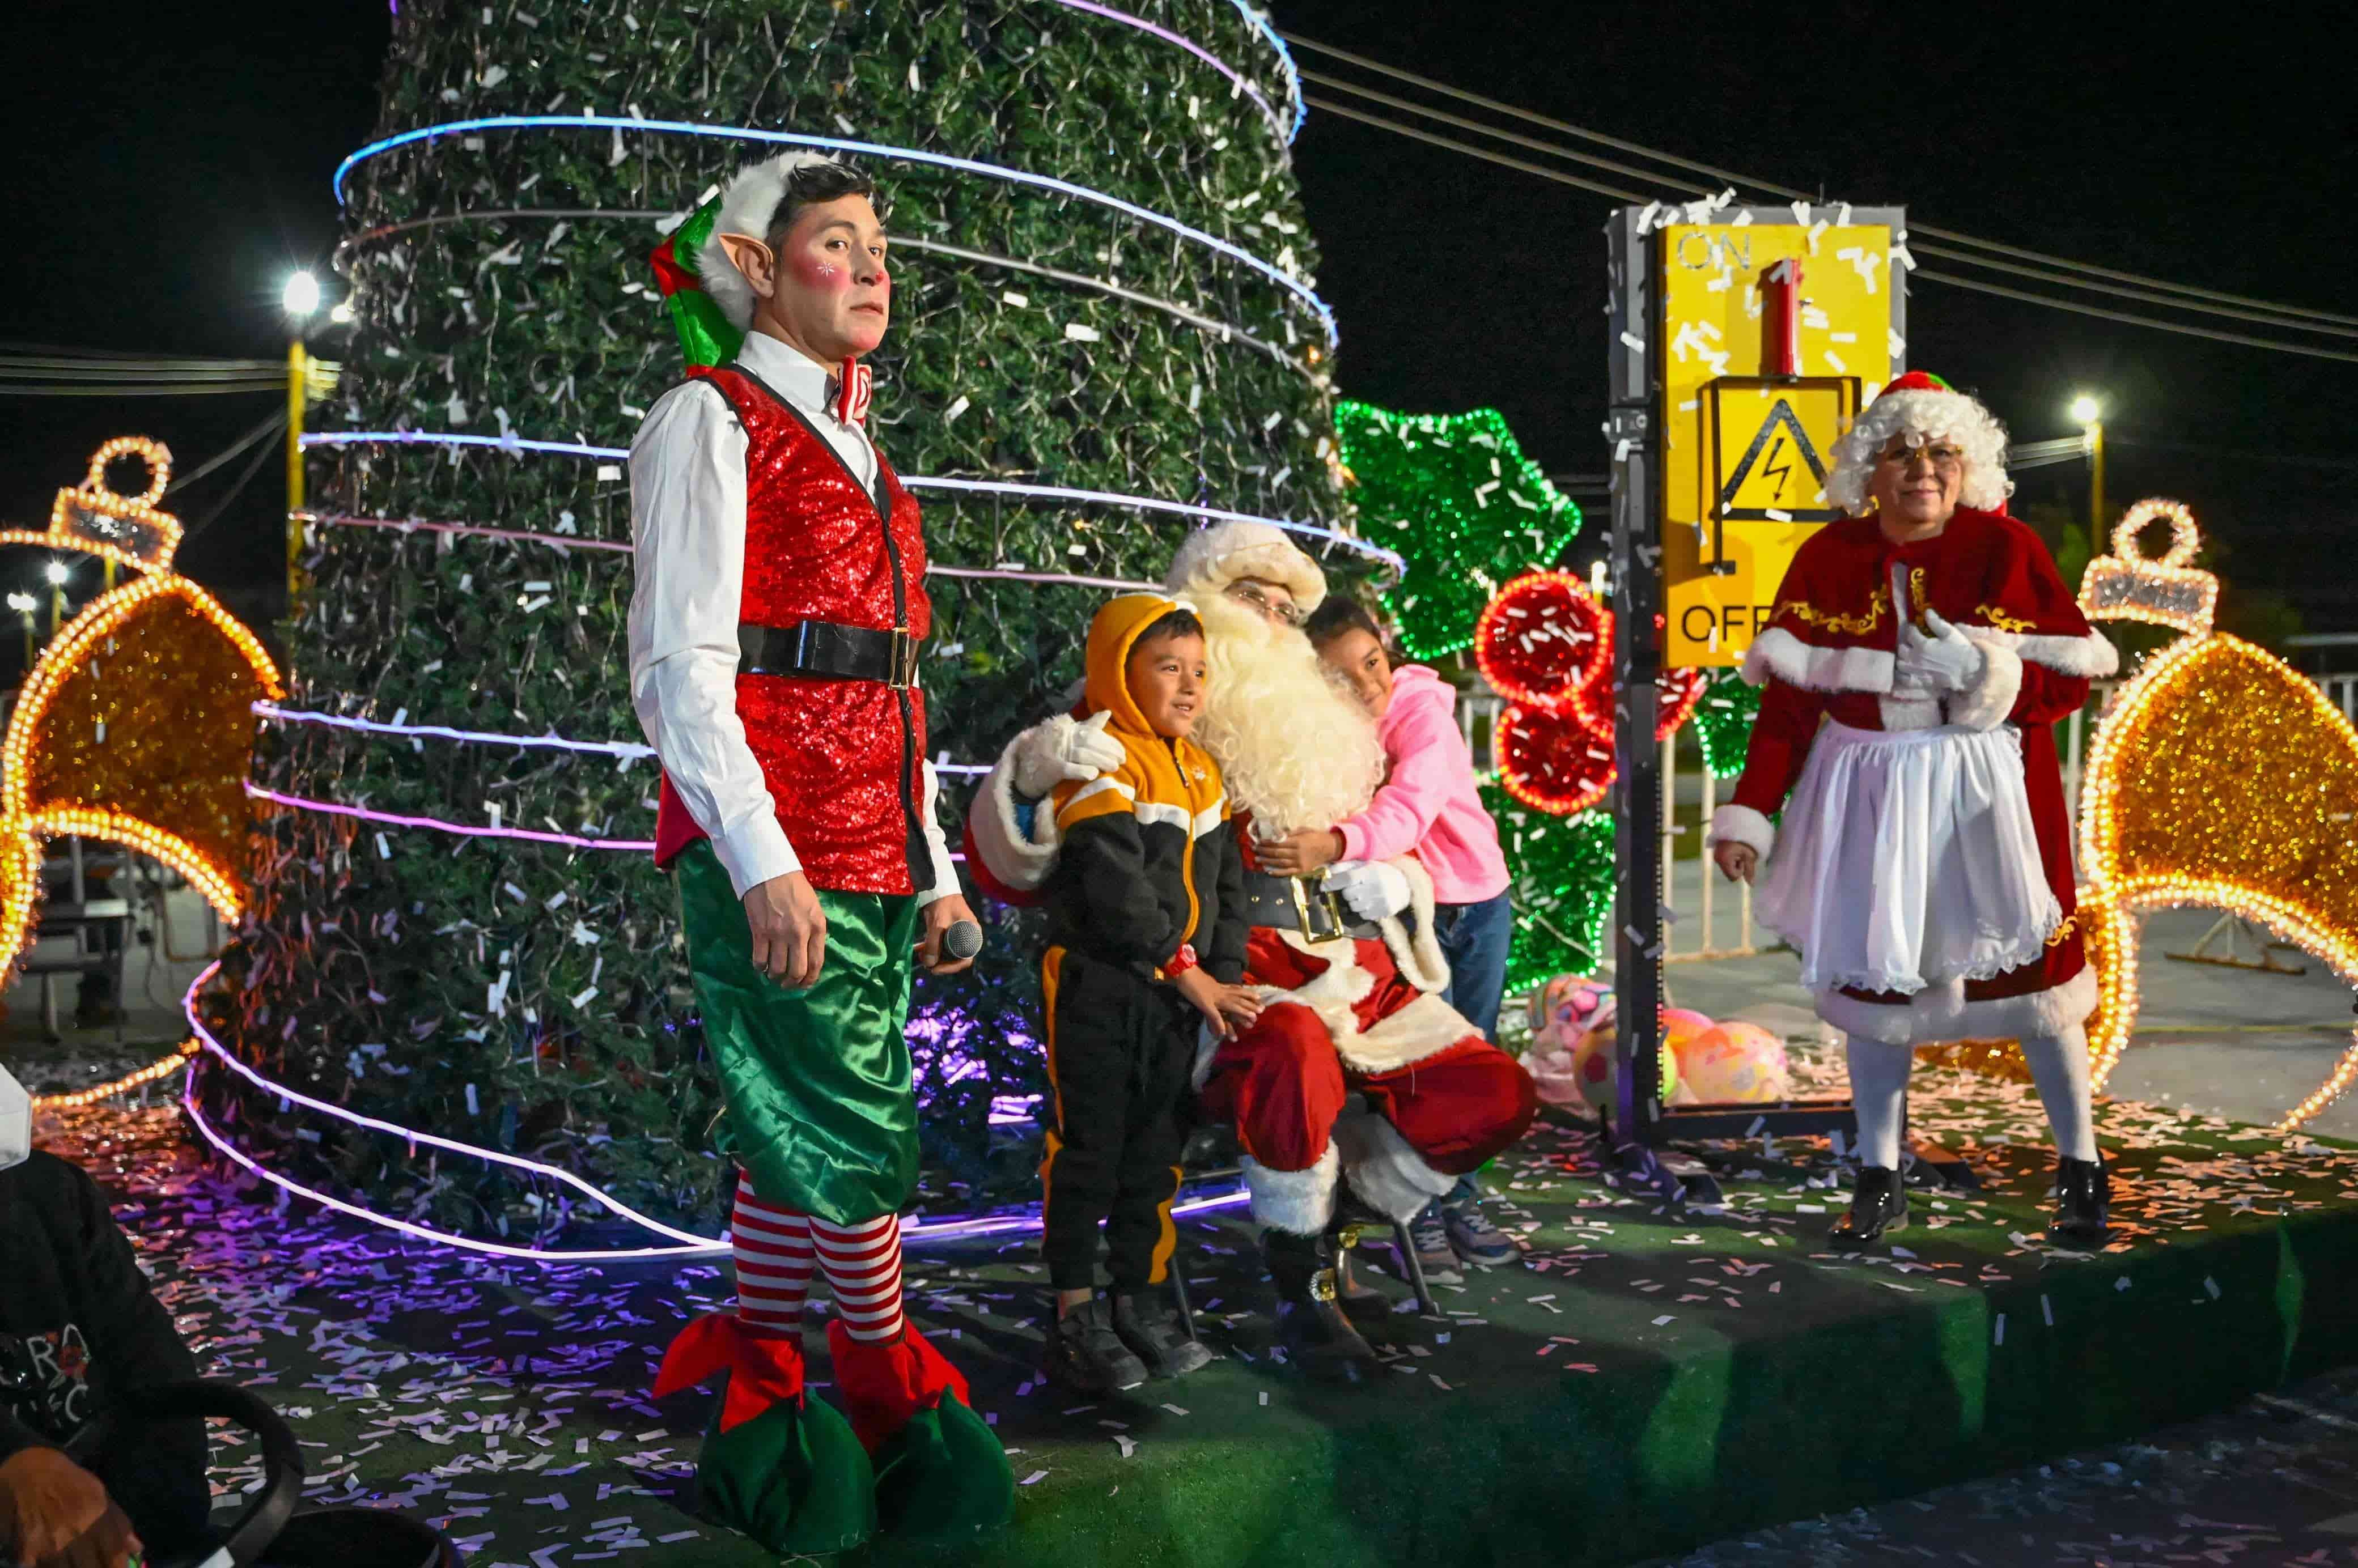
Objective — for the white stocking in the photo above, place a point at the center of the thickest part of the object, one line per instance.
(1878, 1095)
(2058, 1065)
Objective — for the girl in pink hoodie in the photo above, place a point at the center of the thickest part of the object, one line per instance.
(1430, 804)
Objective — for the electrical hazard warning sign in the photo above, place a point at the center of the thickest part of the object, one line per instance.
(1770, 442)
(1771, 335)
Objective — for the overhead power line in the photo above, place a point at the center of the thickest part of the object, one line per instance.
(2298, 318)
(261, 431)
(254, 465)
(1928, 274)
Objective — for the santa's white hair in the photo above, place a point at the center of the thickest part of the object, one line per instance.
(749, 206)
(1294, 749)
(1917, 415)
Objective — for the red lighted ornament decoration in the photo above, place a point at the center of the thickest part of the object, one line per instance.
(1547, 647)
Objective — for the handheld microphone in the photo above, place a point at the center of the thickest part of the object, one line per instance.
(962, 940)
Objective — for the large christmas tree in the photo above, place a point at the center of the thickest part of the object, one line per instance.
(1117, 304)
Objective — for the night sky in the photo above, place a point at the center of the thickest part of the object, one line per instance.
(168, 169)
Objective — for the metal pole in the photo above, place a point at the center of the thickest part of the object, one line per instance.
(2096, 530)
(1634, 426)
(298, 372)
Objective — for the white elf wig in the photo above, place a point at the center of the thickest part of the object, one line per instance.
(759, 200)
(1920, 408)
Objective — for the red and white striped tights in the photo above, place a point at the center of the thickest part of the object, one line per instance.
(776, 1248)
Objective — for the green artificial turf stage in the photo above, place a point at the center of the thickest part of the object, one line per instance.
(1651, 1380)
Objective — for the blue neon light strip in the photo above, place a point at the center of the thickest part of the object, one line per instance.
(841, 143)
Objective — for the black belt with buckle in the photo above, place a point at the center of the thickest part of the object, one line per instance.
(824, 648)
(1301, 903)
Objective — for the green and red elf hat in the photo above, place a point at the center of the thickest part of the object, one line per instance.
(707, 336)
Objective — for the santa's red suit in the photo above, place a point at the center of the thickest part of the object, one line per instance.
(1923, 863)
(1828, 654)
(1354, 1006)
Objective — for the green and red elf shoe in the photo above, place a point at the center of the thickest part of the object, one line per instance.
(940, 1470)
(778, 1467)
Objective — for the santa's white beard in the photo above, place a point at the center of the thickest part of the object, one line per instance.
(1294, 749)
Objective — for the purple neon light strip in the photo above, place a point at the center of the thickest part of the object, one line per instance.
(1294, 286)
(691, 1244)
(468, 831)
(914, 482)
(625, 749)
(1276, 123)
(687, 1239)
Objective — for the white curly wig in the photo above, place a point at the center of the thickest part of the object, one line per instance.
(1919, 408)
(749, 205)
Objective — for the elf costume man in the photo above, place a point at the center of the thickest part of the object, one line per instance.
(1919, 652)
(779, 606)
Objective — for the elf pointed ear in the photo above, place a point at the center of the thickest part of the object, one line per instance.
(755, 260)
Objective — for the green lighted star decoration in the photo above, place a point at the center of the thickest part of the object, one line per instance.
(1723, 721)
(1456, 496)
(1562, 890)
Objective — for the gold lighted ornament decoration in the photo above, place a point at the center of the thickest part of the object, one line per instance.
(2220, 777)
(135, 725)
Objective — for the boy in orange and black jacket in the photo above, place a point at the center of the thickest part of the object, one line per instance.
(1146, 923)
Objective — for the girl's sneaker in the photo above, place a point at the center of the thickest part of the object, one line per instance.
(1472, 1236)
(1429, 1234)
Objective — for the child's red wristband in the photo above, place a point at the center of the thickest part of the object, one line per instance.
(1180, 962)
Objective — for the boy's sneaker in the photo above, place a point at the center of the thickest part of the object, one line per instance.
(1149, 1325)
(1428, 1233)
(1472, 1236)
(1086, 1356)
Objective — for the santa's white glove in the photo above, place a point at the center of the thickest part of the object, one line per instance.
(1063, 750)
(1375, 890)
(1946, 660)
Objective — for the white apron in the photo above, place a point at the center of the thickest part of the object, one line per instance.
(1906, 859)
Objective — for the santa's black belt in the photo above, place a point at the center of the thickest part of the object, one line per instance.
(824, 648)
(1300, 903)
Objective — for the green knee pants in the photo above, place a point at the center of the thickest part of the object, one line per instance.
(817, 1081)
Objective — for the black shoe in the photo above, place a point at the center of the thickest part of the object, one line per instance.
(2084, 1201)
(1149, 1325)
(1311, 1327)
(1086, 1356)
(1879, 1204)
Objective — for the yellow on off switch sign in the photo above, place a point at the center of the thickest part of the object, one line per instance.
(1751, 418)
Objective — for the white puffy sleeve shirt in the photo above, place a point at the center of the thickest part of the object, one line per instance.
(688, 536)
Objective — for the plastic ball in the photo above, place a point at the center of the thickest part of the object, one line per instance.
(1564, 1010)
(1736, 1063)
(1593, 1062)
(1681, 1025)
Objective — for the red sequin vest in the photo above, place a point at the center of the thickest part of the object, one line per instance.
(841, 757)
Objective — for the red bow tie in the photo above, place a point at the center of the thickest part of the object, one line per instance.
(847, 391)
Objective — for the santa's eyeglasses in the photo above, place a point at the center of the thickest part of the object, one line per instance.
(1251, 593)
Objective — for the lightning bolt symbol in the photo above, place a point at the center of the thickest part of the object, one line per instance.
(1777, 470)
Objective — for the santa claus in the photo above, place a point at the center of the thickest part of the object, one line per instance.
(1919, 652)
(1345, 961)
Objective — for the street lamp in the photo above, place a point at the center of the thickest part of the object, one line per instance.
(300, 297)
(56, 572)
(2089, 415)
(24, 604)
